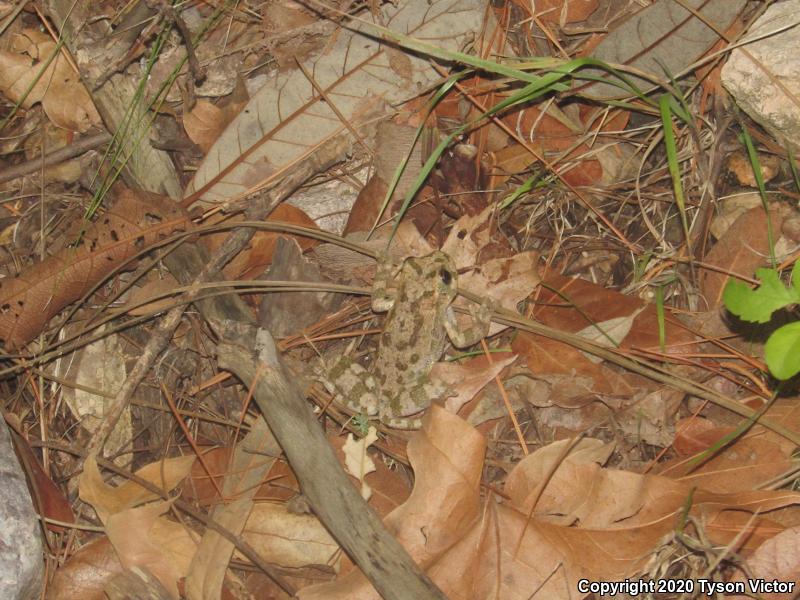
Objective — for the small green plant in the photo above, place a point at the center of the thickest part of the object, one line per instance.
(782, 351)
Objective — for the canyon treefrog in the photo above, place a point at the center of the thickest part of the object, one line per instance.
(420, 319)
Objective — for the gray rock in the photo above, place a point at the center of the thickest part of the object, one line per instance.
(21, 566)
(764, 75)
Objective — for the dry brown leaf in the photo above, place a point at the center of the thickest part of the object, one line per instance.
(465, 379)
(288, 118)
(695, 434)
(731, 208)
(357, 461)
(468, 236)
(663, 38)
(252, 459)
(251, 262)
(145, 539)
(555, 133)
(287, 539)
(39, 292)
(777, 559)
(285, 16)
(563, 11)
(598, 304)
(109, 500)
(156, 286)
(747, 464)
(546, 357)
(739, 164)
(509, 161)
(598, 498)
(50, 139)
(785, 411)
(524, 481)
(59, 89)
(507, 281)
(204, 124)
(497, 551)
(390, 488)
(50, 501)
(447, 455)
(85, 574)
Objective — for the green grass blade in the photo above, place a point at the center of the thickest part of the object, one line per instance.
(793, 166)
(673, 165)
(543, 85)
(755, 164)
(398, 173)
(529, 184)
(662, 326)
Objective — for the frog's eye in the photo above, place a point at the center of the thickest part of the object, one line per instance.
(446, 276)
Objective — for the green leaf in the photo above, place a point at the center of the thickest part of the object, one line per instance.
(759, 304)
(782, 351)
(796, 276)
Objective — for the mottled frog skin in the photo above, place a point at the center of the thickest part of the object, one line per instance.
(420, 320)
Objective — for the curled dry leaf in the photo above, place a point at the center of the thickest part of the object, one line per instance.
(525, 481)
(206, 122)
(287, 539)
(50, 501)
(357, 462)
(145, 539)
(64, 99)
(85, 574)
(109, 500)
(598, 498)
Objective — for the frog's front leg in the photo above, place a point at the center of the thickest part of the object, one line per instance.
(382, 300)
(481, 321)
(354, 386)
(404, 410)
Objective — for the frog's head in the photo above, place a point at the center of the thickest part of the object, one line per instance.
(431, 279)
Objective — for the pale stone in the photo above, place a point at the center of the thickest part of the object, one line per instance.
(764, 76)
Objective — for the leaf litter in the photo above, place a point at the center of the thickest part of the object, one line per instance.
(547, 465)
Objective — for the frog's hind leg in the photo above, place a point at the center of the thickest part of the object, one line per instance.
(403, 422)
(353, 386)
(405, 411)
(481, 321)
